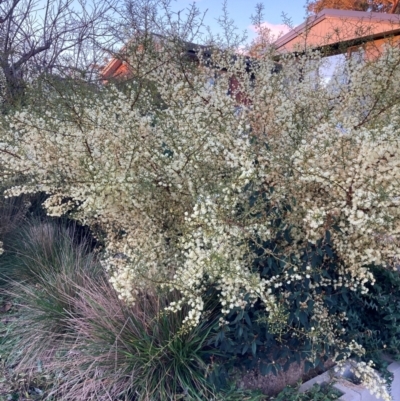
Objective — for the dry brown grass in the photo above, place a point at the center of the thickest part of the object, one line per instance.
(132, 352)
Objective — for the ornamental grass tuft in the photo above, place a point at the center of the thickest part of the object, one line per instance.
(137, 352)
(42, 268)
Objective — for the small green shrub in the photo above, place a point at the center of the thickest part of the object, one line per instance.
(316, 393)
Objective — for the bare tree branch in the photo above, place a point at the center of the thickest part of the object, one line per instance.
(10, 11)
(53, 36)
(30, 54)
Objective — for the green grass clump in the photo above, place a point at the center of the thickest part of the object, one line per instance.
(42, 268)
(39, 249)
(136, 352)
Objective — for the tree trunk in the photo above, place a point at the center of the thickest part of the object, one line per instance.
(14, 86)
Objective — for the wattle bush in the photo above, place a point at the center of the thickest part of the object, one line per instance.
(284, 203)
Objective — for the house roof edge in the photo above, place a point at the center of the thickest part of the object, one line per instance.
(334, 13)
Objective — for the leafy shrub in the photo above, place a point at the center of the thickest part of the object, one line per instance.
(316, 393)
(163, 186)
(372, 319)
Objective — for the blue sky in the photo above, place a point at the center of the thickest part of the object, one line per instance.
(241, 10)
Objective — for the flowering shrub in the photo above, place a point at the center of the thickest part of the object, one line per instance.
(369, 377)
(186, 186)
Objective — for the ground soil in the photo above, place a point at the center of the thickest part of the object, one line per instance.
(272, 385)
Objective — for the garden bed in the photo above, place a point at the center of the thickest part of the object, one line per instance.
(272, 384)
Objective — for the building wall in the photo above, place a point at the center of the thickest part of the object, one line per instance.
(333, 30)
(374, 49)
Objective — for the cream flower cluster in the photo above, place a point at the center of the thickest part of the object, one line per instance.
(369, 377)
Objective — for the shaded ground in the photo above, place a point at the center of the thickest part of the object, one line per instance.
(272, 385)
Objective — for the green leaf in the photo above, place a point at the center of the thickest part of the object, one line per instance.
(308, 366)
(264, 368)
(336, 228)
(328, 237)
(247, 319)
(303, 318)
(345, 297)
(328, 251)
(254, 348)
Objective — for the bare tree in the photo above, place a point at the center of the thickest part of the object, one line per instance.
(51, 36)
(158, 17)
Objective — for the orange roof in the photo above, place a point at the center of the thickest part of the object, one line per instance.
(117, 67)
(332, 27)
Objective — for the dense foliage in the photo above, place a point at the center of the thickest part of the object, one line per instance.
(249, 341)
